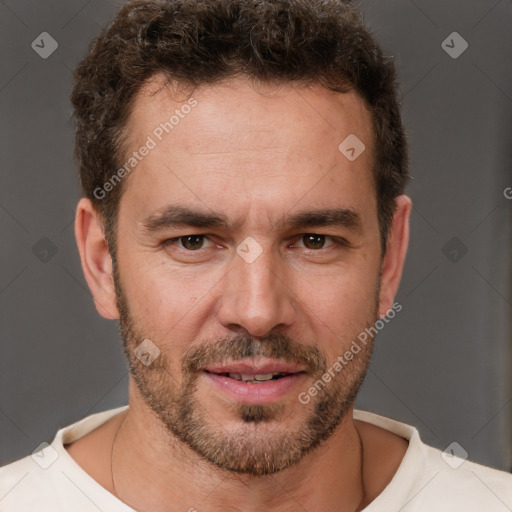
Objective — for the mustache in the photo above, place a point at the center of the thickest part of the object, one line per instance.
(275, 346)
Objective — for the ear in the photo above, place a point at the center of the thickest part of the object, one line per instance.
(95, 258)
(394, 259)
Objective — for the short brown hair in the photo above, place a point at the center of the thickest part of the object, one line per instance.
(200, 42)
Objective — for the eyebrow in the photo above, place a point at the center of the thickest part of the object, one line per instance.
(326, 217)
(178, 216)
(174, 216)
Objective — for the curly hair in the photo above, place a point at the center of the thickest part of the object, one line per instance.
(201, 42)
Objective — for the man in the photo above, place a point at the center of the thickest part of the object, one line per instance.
(244, 217)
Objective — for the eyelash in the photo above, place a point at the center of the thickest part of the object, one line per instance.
(341, 242)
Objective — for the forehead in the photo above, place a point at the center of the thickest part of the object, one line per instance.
(268, 144)
(254, 107)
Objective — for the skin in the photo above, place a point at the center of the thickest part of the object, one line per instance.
(255, 156)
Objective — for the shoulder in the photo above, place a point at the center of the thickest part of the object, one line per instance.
(27, 482)
(50, 479)
(429, 479)
(453, 481)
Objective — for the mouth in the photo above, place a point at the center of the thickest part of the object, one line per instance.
(255, 383)
(254, 378)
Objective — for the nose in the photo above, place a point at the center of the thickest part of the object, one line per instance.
(256, 297)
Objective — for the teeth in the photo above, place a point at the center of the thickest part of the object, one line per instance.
(266, 376)
(252, 378)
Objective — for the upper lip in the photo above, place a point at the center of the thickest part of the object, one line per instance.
(250, 367)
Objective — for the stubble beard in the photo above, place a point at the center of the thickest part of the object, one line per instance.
(257, 445)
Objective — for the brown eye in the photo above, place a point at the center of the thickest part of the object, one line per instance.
(312, 241)
(192, 242)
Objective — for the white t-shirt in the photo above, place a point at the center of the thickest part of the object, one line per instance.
(427, 479)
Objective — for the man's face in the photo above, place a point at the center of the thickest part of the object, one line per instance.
(256, 294)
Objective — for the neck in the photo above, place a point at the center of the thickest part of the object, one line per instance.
(146, 456)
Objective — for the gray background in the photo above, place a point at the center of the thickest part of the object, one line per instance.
(443, 364)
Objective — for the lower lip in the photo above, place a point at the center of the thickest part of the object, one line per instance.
(262, 393)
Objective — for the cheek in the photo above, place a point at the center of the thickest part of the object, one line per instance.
(340, 305)
(169, 302)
